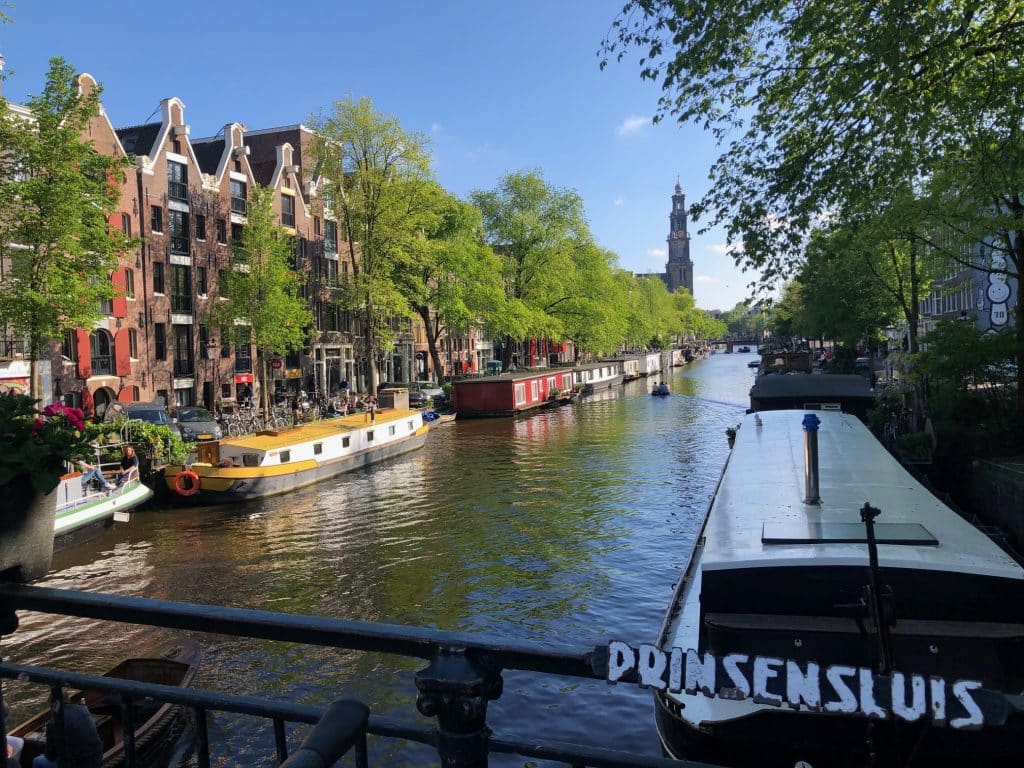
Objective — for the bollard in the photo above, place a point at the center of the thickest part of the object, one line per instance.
(455, 689)
(811, 486)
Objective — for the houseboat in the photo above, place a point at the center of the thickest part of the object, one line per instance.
(629, 365)
(509, 393)
(276, 461)
(813, 392)
(591, 377)
(803, 632)
(83, 510)
(650, 363)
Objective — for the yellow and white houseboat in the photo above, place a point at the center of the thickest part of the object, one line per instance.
(276, 461)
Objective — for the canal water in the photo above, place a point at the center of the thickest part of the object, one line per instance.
(566, 527)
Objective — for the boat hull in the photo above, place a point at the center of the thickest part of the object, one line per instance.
(596, 386)
(83, 519)
(219, 485)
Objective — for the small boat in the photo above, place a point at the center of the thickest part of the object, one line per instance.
(273, 461)
(83, 511)
(743, 349)
(754, 364)
(804, 633)
(660, 390)
(154, 722)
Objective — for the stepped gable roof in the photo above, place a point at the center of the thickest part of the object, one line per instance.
(208, 153)
(138, 139)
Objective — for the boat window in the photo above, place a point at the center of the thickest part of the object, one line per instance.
(318, 448)
(286, 456)
(410, 426)
(846, 533)
(250, 459)
(391, 429)
(345, 442)
(369, 436)
(520, 394)
(534, 389)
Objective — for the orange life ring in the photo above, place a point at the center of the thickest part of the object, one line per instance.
(179, 486)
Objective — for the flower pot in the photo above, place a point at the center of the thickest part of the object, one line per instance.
(26, 531)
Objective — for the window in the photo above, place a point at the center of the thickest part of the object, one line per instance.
(201, 281)
(156, 219)
(126, 224)
(183, 363)
(318, 448)
(238, 196)
(331, 236)
(345, 442)
(225, 390)
(410, 425)
(204, 342)
(161, 396)
(177, 181)
(200, 227)
(520, 394)
(316, 226)
(286, 456)
(391, 429)
(369, 436)
(158, 277)
(160, 341)
(250, 459)
(129, 284)
(178, 223)
(133, 343)
(236, 234)
(69, 347)
(287, 211)
(101, 349)
(331, 271)
(534, 389)
(222, 232)
(181, 288)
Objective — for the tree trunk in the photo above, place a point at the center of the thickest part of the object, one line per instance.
(264, 381)
(506, 354)
(371, 349)
(435, 355)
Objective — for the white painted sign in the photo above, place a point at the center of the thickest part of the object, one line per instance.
(837, 688)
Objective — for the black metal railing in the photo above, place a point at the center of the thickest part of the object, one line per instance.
(184, 367)
(463, 672)
(238, 205)
(177, 190)
(181, 302)
(102, 365)
(11, 346)
(180, 245)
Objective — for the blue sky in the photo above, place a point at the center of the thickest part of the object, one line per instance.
(498, 86)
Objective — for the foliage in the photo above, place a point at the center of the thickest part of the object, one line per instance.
(915, 445)
(39, 445)
(56, 194)
(157, 441)
(261, 288)
(378, 180)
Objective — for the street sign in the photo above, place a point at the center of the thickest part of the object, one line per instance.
(276, 363)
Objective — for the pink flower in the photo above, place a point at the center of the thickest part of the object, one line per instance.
(76, 417)
(53, 409)
(37, 426)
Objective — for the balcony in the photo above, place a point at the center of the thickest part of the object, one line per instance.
(181, 303)
(179, 245)
(11, 347)
(177, 190)
(238, 205)
(102, 365)
(184, 367)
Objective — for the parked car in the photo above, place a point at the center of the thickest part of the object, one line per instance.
(153, 413)
(424, 393)
(197, 424)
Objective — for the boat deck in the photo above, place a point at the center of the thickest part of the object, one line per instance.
(270, 440)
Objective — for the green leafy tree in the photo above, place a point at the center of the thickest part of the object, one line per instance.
(535, 230)
(378, 179)
(261, 288)
(56, 194)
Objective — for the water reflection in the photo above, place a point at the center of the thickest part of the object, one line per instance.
(567, 526)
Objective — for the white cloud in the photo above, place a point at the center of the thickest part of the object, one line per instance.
(632, 124)
(618, 200)
(660, 252)
(727, 248)
(435, 128)
(704, 279)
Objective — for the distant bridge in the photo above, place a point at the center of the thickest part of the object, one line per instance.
(730, 344)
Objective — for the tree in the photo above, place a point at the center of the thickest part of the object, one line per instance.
(377, 176)
(448, 276)
(56, 195)
(534, 229)
(261, 289)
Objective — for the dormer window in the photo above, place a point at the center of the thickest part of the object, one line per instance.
(177, 181)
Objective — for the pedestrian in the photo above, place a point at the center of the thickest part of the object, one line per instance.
(371, 408)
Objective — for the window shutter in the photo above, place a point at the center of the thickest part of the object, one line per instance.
(120, 303)
(127, 393)
(122, 357)
(84, 353)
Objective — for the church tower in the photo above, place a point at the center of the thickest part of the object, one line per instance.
(679, 269)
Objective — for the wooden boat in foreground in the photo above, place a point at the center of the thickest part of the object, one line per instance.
(154, 722)
(272, 462)
(810, 635)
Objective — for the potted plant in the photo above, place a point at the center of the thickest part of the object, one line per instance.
(730, 435)
(36, 449)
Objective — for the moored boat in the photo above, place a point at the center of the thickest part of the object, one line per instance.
(154, 721)
(272, 462)
(808, 634)
(826, 391)
(83, 510)
(591, 377)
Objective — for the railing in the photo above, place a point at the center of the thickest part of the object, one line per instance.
(102, 365)
(238, 205)
(462, 673)
(11, 346)
(180, 245)
(181, 302)
(177, 190)
(184, 367)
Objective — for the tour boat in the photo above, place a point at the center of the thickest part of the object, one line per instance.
(83, 511)
(805, 633)
(276, 461)
(156, 724)
(591, 377)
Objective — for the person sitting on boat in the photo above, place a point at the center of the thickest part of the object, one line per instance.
(82, 741)
(49, 757)
(129, 466)
(92, 474)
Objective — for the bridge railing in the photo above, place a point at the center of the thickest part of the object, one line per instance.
(462, 674)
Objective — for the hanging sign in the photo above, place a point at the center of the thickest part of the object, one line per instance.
(834, 689)
(243, 378)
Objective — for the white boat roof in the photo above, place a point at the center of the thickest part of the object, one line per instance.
(762, 491)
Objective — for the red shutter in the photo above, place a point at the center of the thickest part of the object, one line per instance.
(117, 277)
(84, 354)
(122, 358)
(126, 395)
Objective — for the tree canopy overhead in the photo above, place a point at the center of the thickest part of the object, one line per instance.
(818, 105)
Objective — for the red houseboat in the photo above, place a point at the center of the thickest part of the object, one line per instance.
(509, 393)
